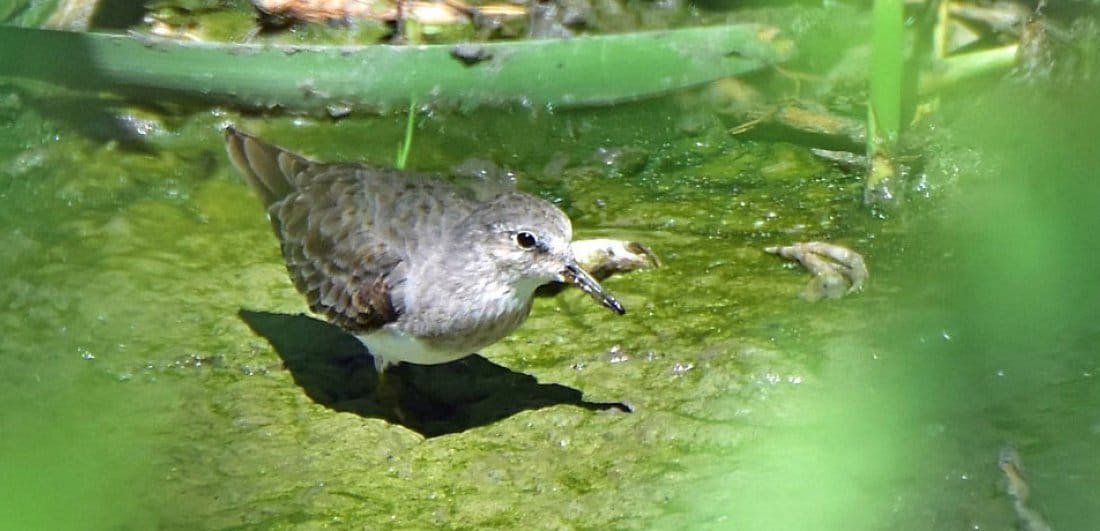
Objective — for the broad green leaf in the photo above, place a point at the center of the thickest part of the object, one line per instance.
(556, 73)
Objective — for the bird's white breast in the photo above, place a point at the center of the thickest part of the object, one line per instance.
(469, 327)
(390, 347)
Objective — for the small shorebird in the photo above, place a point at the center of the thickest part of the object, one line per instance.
(418, 269)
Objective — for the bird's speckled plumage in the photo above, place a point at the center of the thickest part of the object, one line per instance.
(417, 268)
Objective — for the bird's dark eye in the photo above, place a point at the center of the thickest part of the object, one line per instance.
(525, 239)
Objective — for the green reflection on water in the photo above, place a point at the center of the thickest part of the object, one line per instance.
(77, 457)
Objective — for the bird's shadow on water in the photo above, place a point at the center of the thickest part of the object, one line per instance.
(335, 370)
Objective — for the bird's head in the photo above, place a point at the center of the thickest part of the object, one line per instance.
(529, 240)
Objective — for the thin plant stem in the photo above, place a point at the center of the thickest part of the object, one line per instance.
(406, 144)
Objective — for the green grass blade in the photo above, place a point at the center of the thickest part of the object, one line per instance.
(406, 143)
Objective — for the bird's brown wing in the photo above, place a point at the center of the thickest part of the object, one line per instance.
(325, 219)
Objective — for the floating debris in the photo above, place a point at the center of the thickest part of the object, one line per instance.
(471, 54)
(1018, 490)
(605, 257)
(837, 271)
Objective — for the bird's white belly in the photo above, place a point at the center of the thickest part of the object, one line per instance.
(390, 348)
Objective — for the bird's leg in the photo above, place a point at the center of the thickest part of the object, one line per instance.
(388, 390)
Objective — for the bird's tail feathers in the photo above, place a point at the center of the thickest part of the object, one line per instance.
(270, 170)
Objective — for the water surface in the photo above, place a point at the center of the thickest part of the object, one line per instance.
(135, 396)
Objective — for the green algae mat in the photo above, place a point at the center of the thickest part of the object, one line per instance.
(154, 347)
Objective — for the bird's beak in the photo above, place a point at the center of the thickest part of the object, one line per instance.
(574, 274)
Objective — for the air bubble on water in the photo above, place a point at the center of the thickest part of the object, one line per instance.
(681, 368)
(616, 354)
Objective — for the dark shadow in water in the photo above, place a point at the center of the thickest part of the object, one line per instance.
(95, 118)
(336, 371)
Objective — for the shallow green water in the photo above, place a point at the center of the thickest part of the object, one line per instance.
(134, 396)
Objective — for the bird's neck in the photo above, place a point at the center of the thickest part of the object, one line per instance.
(469, 315)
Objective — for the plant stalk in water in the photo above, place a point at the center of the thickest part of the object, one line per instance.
(406, 143)
(884, 111)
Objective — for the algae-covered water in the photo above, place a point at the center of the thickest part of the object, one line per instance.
(137, 394)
